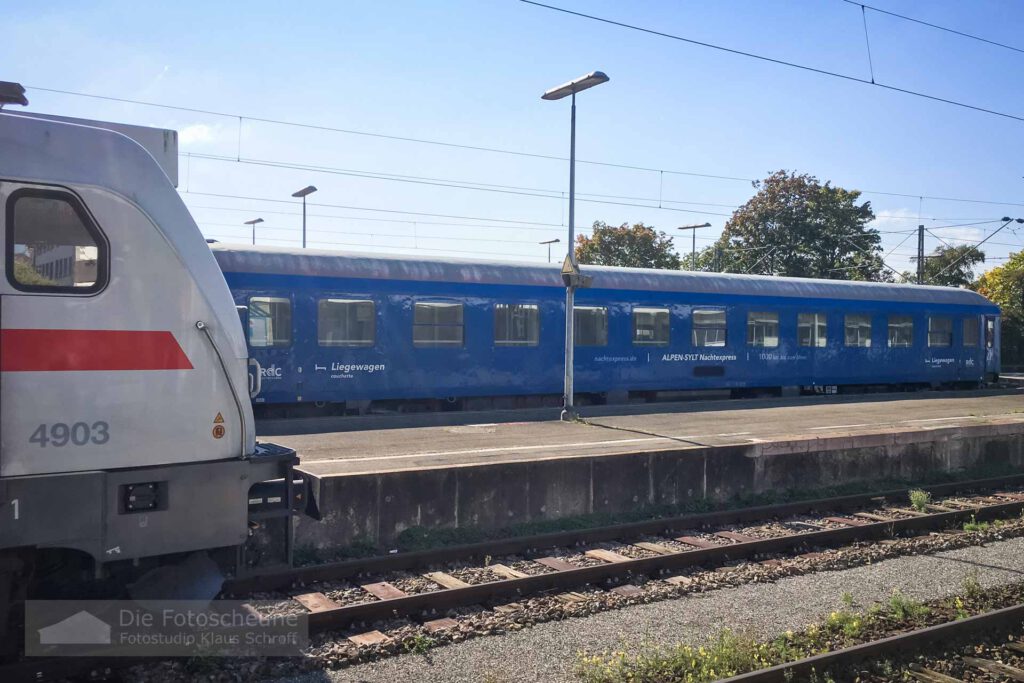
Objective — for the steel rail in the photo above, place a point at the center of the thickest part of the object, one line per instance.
(44, 669)
(510, 546)
(347, 615)
(1007, 616)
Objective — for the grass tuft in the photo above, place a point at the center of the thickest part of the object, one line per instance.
(919, 499)
(906, 609)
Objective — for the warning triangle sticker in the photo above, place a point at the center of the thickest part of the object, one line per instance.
(219, 419)
(568, 267)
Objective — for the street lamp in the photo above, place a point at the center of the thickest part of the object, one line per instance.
(549, 243)
(253, 223)
(303, 193)
(570, 269)
(693, 246)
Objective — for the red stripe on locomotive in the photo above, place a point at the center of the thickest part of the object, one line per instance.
(89, 350)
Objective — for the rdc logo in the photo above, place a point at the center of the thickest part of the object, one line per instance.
(270, 372)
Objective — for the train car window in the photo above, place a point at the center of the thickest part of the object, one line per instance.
(857, 330)
(437, 324)
(812, 329)
(590, 324)
(970, 326)
(901, 331)
(345, 322)
(940, 331)
(516, 325)
(53, 245)
(651, 326)
(270, 322)
(709, 328)
(762, 329)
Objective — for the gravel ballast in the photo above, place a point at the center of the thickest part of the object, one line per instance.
(548, 651)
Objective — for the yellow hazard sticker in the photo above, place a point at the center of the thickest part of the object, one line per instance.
(219, 419)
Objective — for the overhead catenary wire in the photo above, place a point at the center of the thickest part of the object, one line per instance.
(993, 234)
(265, 227)
(480, 148)
(503, 189)
(860, 249)
(462, 184)
(954, 31)
(867, 41)
(386, 234)
(466, 186)
(780, 62)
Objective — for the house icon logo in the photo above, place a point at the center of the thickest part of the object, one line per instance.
(80, 628)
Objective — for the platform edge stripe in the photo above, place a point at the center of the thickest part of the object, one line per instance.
(56, 350)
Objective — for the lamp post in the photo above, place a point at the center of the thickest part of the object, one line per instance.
(304, 192)
(253, 223)
(549, 243)
(693, 244)
(570, 269)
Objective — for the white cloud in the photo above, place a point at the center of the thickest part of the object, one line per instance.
(197, 133)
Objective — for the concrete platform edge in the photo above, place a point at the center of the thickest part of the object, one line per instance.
(377, 507)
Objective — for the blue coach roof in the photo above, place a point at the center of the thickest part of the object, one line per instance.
(320, 263)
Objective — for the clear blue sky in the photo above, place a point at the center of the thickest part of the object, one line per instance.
(472, 73)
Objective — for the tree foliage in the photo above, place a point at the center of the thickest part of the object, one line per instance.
(799, 227)
(1005, 286)
(637, 246)
(950, 266)
(25, 274)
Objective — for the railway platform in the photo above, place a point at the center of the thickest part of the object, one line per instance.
(374, 483)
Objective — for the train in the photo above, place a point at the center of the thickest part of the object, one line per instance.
(127, 436)
(349, 332)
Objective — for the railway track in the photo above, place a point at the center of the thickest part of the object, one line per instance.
(383, 588)
(618, 557)
(613, 569)
(990, 667)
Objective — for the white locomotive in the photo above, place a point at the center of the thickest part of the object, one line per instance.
(126, 431)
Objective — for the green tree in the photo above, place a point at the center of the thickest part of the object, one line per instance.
(1005, 286)
(27, 275)
(950, 266)
(796, 226)
(637, 246)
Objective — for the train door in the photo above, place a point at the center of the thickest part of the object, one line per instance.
(269, 328)
(991, 347)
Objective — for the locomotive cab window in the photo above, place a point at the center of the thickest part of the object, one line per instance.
(857, 330)
(345, 322)
(590, 324)
(812, 329)
(709, 328)
(516, 324)
(270, 322)
(901, 331)
(970, 331)
(762, 329)
(651, 326)
(53, 245)
(437, 323)
(940, 332)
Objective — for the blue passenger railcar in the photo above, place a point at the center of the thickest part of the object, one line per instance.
(351, 329)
